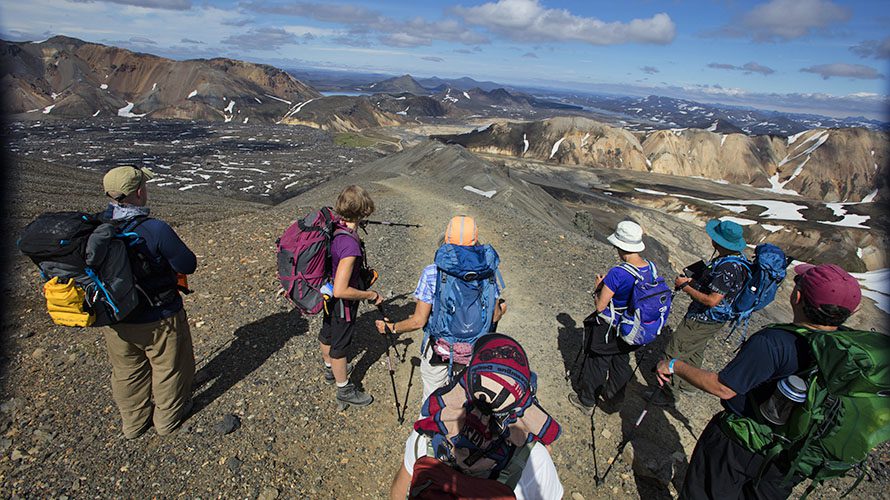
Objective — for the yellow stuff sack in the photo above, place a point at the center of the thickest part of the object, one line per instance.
(64, 302)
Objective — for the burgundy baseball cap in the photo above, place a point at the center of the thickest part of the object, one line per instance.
(828, 284)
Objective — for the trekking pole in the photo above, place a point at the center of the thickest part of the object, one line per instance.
(415, 362)
(387, 223)
(596, 469)
(630, 436)
(390, 339)
(392, 372)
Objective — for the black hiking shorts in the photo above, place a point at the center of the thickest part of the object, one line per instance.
(337, 333)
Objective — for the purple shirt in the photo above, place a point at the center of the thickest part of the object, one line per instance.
(622, 282)
(341, 247)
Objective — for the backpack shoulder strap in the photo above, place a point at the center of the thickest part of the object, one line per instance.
(632, 270)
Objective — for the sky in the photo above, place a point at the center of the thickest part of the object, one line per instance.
(822, 56)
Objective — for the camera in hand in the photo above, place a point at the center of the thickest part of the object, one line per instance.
(695, 271)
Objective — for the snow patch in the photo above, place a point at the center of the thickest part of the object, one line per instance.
(126, 111)
(104, 86)
(584, 139)
(555, 147)
(279, 99)
(792, 138)
(524, 145)
(712, 128)
(650, 191)
(192, 94)
(722, 140)
(49, 108)
(96, 113)
(487, 194)
(257, 100)
(876, 286)
(466, 95)
(848, 219)
(246, 118)
(154, 86)
(772, 227)
(738, 220)
(870, 197)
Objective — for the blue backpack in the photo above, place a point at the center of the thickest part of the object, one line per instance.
(466, 293)
(765, 275)
(647, 308)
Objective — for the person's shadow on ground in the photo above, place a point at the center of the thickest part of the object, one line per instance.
(254, 343)
(368, 346)
(569, 339)
(658, 454)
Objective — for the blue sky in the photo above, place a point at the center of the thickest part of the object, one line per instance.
(826, 56)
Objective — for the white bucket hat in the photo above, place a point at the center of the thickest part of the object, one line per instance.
(628, 236)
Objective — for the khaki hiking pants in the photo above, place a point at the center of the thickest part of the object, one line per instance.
(688, 343)
(151, 361)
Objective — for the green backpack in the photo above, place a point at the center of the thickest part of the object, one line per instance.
(846, 413)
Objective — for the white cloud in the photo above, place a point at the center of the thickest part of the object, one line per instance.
(783, 20)
(844, 70)
(525, 20)
(390, 31)
(148, 4)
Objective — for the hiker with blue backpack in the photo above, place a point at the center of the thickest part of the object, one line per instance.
(456, 302)
(808, 399)
(726, 290)
(632, 306)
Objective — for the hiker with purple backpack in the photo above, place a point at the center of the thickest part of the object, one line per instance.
(632, 305)
(347, 260)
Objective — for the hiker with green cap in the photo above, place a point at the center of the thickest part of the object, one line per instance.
(808, 399)
(150, 350)
(712, 293)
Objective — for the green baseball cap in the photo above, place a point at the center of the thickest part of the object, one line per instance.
(123, 181)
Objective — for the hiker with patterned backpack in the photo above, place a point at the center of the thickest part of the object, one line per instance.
(338, 325)
(610, 332)
(150, 350)
(446, 348)
(484, 435)
(809, 399)
(712, 294)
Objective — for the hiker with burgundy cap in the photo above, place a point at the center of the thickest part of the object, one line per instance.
(484, 435)
(606, 368)
(805, 399)
(354, 204)
(150, 350)
(713, 291)
(441, 354)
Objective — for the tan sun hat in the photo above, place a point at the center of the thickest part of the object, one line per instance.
(121, 182)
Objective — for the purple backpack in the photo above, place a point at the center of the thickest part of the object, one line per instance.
(304, 258)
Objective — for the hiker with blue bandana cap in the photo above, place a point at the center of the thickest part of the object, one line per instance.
(712, 294)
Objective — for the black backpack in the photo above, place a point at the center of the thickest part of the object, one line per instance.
(85, 263)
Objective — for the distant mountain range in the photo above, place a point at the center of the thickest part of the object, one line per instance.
(68, 77)
(656, 112)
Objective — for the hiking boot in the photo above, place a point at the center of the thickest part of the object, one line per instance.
(329, 373)
(348, 395)
(576, 402)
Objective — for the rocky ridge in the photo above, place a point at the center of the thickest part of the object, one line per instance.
(265, 425)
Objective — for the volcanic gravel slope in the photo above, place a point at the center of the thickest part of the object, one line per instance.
(59, 429)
